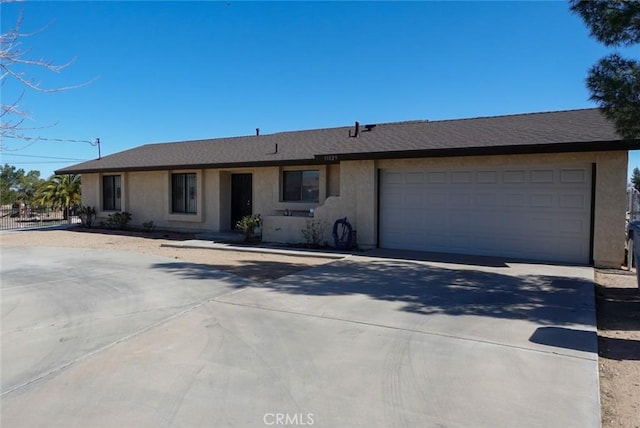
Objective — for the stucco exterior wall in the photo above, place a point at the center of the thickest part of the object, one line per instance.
(357, 201)
(90, 190)
(266, 190)
(211, 198)
(349, 189)
(146, 198)
(333, 180)
(610, 209)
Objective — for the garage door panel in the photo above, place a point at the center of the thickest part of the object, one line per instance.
(487, 200)
(395, 198)
(459, 221)
(461, 177)
(436, 221)
(513, 176)
(415, 178)
(484, 223)
(514, 200)
(413, 198)
(542, 176)
(435, 199)
(540, 225)
(573, 201)
(487, 177)
(541, 200)
(572, 226)
(527, 212)
(573, 176)
(391, 178)
(460, 200)
(439, 177)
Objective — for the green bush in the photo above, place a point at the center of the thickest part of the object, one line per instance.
(87, 215)
(247, 224)
(118, 220)
(314, 232)
(148, 226)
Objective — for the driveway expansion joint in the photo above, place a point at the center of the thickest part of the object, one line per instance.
(426, 333)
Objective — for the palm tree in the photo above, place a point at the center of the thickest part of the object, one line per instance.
(61, 191)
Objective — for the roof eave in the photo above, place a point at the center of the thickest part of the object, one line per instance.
(228, 165)
(615, 145)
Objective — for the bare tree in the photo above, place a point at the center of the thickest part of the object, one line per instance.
(16, 64)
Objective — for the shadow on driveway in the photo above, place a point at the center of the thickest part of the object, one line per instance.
(255, 270)
(567, 338)
(424, 289)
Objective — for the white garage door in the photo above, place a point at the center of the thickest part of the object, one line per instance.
(523, 212)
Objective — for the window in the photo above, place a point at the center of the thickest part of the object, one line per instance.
(183, 193)
(302, 186)
(111, 193)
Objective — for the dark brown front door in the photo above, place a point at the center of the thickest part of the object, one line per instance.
(241, 197)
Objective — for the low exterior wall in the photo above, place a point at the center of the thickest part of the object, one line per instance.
(284, 229)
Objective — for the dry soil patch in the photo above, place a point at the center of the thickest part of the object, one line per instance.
(618, 309)
(255, 266)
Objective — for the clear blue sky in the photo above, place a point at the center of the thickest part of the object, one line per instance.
(172, 71)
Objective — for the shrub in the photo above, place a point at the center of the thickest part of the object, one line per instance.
(118, 220)
(314, 232)
(148, 226)
(87, 215)
(247, 224)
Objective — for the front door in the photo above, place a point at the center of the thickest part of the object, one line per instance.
(241, 197)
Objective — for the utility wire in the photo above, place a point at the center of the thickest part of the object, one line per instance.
(62, 140)
(37, 163)
(43, 157)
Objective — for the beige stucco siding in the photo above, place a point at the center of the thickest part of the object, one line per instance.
(349, 189)
(333, 180)
(90, 190)
(146, 197)
(357, 201)
(610, 209)
(210, 198)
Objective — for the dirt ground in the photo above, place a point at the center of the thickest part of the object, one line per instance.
(255, 266)
(618, 301)
(618, 309)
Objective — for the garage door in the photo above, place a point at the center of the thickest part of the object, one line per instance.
(523, 212)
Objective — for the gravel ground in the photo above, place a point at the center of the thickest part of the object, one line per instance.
(618, 301)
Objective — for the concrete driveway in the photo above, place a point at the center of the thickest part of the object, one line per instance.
(102, 339)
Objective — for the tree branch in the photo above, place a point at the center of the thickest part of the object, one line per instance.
(15, 63)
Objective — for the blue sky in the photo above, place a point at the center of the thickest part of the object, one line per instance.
(172, 71)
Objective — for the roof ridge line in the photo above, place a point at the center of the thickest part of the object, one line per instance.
(533, 113)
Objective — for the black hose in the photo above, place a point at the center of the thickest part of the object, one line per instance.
(342, 238)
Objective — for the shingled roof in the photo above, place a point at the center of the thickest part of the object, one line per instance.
(548, 132)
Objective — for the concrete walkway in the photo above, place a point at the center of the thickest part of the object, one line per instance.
(108, 339)
(233, 242)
